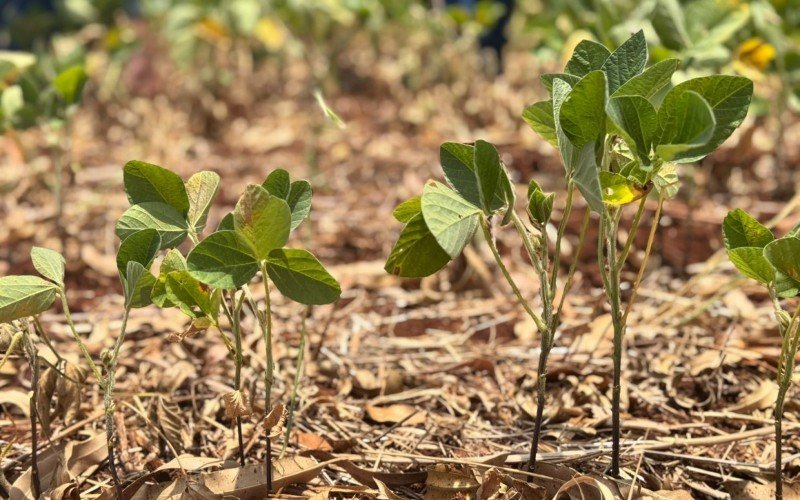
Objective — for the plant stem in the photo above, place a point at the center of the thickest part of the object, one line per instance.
(791, 337)
(269, 374)
(84, 350)
(238, 360)
(524, 303)
(297, 376)
(33, 359)
(573, 266)
(651, 238)
(612, 282)
(109, 404)
(562, 226)
(541, 263)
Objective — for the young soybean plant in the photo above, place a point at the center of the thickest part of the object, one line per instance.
(217, 271)
(621, 131)
(775, 263)
(444, 219)
(27, 296)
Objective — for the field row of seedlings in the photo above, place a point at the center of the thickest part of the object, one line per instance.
(508, 330)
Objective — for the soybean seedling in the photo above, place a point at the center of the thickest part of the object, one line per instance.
(775, 263)
(24, 298)
(41, 93)
(621, 130)
(217, 271)
(441, 222)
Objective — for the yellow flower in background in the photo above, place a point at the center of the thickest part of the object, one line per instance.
(270, 32)
(211, 30)
(756, 53)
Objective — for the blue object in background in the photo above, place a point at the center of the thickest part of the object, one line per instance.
(495, 37)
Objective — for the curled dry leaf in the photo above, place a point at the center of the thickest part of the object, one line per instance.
(394, 414)
(449, 481)
(63, 464)
(236, 404)
(196, 326)
(275, 420)
(45, 390)
(68, 391)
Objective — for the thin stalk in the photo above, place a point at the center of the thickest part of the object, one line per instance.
(562, 226)
(269, 374)
(33, 359)
(623, 256)
(15, 339)
(84, 350)
(651, 238)
(541, 261)
(573, 266)
(297, 376)
(109, 404)
(612, 279)
(37, 326)
(238, 360)
(791, 337)
(487, 233)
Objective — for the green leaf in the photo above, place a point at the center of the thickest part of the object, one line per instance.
(49, 264)
(586, 177)
(201, 188)
(784, 255)
(416, 253)
(69, 83)
(173, 261)
(635, 119)
(171, 225)
(183, 290)
(618, 190)
(23, 296)
(540, 205)
(299, 200)
(740, 229)
(686, 125)
(786, 287)
(669, 24)
(714, 22)
(137, 285)
(408, 209)
(145, 182)
(488, 170)
(588, 56)
(140, 247)
(626, 62)
(751, 262)
(547, 79)
(582, 115)
(224, 259)
(278, 183)
(226, 224)
(451, 219)
(263, 219)
(300, 276)
(666, 181)
(540, 118)
(649, 83)
(458, 162)
(580, 164)
(729, 99)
